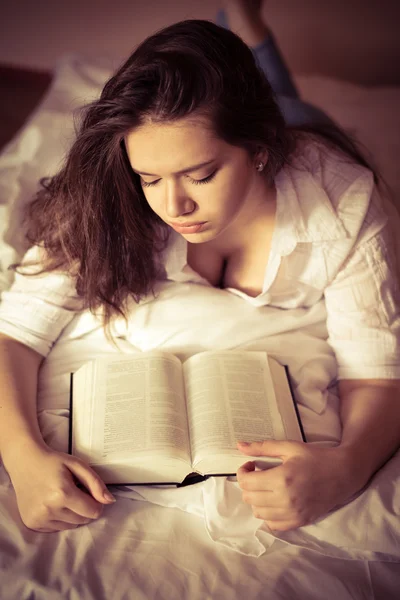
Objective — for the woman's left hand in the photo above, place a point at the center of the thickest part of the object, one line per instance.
(310, 482)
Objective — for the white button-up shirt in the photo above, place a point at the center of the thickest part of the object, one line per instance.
(331, 239)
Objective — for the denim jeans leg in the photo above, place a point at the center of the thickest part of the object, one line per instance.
(270, 60)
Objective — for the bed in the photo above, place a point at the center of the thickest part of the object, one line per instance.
(200, 541)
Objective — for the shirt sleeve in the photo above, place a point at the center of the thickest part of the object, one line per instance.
(37, 308)
(362, 303)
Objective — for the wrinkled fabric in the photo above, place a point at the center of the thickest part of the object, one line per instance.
(366, 528)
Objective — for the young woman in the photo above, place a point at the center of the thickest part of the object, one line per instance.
(188, 136)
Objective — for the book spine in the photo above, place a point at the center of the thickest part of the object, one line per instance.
(71, 379)
(296, 408)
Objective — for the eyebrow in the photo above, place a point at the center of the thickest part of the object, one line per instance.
(187, 170)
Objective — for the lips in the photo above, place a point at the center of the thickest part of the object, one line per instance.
(192, 228)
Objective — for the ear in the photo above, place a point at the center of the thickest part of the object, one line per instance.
(261, 156)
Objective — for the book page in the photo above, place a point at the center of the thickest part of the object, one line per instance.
(142, 408)
(230, 397)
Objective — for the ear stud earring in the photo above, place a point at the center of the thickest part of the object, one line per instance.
(260, 167)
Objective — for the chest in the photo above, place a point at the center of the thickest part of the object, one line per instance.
(243, 270)
(297, 279)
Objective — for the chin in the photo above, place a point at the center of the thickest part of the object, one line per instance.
(197, 238)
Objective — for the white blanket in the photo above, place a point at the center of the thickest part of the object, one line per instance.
(202, 541)
(185, 319)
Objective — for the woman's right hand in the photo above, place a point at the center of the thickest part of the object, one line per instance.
(47, 495)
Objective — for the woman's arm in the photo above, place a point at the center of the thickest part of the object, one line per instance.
(33, 313)
(370, 413)
(18, 384)
(44, 480)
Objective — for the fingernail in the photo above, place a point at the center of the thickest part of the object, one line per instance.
(244, 443)
(109, 497)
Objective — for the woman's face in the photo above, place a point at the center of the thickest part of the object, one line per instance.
(201, 186)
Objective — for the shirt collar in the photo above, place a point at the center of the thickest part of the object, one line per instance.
(304, 211)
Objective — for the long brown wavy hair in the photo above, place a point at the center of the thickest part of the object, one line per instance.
(92, 218)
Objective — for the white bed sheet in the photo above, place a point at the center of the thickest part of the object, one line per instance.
(209, 544)
(141, 549)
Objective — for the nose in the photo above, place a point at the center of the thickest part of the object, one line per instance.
(177, 201)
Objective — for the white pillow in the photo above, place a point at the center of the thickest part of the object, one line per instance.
(39, 147)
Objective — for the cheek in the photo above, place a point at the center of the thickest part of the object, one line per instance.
(233, 193)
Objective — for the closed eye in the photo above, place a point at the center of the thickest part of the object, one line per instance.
(195, 181)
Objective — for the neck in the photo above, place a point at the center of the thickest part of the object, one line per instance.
(252, 223)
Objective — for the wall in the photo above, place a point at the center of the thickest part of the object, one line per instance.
(354, 39)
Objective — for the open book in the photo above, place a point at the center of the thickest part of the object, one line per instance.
(150, 418)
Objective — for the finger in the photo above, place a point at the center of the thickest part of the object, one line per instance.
(249, 479)
(78, 501)
(248, 467)
(90, 480)
(82, 503)
(274, 479)
(271, 515)
(69, 516)
(263, 499)
(279, 448)
(253, 465)
(284, 525)
(55, 526)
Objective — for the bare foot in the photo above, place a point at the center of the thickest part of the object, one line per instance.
(245, 19)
